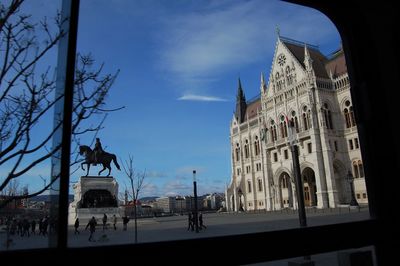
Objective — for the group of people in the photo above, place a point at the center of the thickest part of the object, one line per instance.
(192, 221)
(93, 223)
(27, 226)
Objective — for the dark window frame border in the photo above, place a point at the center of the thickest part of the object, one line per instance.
(358, 28)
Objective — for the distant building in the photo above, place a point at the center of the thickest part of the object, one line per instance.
(214, 201)
(312, 91)
(166, 204)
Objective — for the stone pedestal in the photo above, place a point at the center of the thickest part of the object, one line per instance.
(94, 196)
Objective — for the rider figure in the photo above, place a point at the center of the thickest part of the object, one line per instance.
(98, 150)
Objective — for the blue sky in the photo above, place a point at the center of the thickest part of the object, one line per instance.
(180, 62)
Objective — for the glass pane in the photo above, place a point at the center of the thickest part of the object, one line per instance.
(157, 82)
(360, 256)
(29, 37)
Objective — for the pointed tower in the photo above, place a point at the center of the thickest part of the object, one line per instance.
(308, 64)
(263, 86)
(307, 58)
(240, 104)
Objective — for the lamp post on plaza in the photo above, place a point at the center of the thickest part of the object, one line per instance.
(196, 220)
(350, 179)
(240, 194)
(297, 173)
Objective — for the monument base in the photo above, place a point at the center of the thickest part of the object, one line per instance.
(94, 196)
(85, 214)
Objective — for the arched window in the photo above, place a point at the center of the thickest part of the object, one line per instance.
(283, 127)
(285, 181)
(358, 169)
(237, 152)
(257, 146)
(259, 184)
(306, 118)
(352, 117)
(296, 124)
(355, 170)
(296, 121)
(349, 115)
(246, 149)
(347, 118)
(273, 131)
(327, 116)
(278, 82)
(289, 76)
(249, 186)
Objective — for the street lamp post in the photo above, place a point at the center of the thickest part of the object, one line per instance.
(196, 220)
(299, 185)
(350, 179)
(240, 194)
(296, 172)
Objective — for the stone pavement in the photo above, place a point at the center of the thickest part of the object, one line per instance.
(175, 227)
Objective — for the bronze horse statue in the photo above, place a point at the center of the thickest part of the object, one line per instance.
(104, 158)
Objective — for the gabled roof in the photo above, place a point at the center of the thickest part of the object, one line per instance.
(252, 107)
(337, 64)
(297, 49)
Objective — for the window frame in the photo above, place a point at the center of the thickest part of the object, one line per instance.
(357, 27)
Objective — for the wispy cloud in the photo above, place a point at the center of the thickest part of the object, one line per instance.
(201, 98)
(198, 47)
(176, 187)
(155, 174)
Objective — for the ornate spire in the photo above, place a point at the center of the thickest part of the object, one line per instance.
(309, 68)
(240, 104)
(240, 90)
(307, 58)
(263, 85)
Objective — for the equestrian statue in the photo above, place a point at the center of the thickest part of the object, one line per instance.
(97, 156)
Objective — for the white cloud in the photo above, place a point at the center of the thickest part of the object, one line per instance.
(176, 187)
(201, 98)
(198, 47)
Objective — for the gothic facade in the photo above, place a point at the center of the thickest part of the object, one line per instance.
(312, 92)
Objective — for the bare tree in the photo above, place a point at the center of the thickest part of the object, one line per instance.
(136, 179)
(28, 98)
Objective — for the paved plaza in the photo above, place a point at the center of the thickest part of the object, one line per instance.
(175, 227)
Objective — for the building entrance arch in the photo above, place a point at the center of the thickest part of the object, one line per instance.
(342, 186)
(309, 187)
(285, 188)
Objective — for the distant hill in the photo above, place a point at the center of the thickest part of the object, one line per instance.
(144, 199)
(47, 198)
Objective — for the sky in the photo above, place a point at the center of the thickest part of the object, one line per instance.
(179, 65)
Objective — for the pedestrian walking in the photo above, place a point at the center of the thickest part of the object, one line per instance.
(201, 224)
(125, 221)
(104, 222)
(115, 222)
(33, 226)
(92, 227)
(190, 222)
(76, 226)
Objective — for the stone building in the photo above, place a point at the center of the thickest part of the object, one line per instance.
(311, 91)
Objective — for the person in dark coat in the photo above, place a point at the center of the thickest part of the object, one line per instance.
(76, 226)
(190, 222)
(115, 222)
(104, 222)
(125, 221)
(201, 224)
(92, 227)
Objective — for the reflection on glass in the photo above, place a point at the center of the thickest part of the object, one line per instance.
(167, 112)
(360, 256)
(29, 34)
